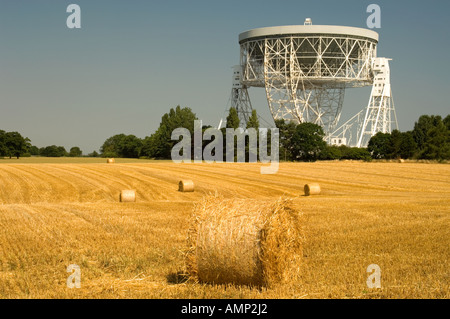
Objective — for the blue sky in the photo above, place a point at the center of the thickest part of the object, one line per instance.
(133, 60)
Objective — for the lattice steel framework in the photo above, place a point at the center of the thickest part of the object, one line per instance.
(378, 116)
(380, 113)
(348, 133)
(240, 99)
(305, 74)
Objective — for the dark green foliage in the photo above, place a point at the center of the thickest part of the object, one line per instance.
(75, 152)
(110, 147)
(430, 139)
(2, 143)
(379, 146)
(232, 122)
(53, 151)
(391, 146)
(233, 119)
(421, 128)
(253, 121)
(407, 146)
(130, 147)
(287, 131)
(122, 145)
(13, 144)
(308, 142)
(437, 144)
(345, 153)
(34, 150)
(431, 134)
(160, 144)
(332, 152)
(447, 122)
(355, 153)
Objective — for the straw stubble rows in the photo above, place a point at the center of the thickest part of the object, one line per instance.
(53, 215)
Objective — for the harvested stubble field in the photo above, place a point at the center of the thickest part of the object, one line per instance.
(56, 214)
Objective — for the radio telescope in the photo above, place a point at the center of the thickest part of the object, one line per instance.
(305, 69)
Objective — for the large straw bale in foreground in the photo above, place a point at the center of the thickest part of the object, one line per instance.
(244, 241)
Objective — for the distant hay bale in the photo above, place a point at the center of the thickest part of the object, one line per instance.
(127, 196)
(401, 160)
(110, 160)
(244, 241)
(186, 186)
(312, 189)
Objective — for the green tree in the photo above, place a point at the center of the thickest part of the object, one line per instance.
(110, 147)
(94, 154)
(355, 153)
(233, 119)
(3, 149)
(160, 144)
(34, 150)
(379, 146)
(121, 145)
(62, 151)
(431, 135)
(53, 151)
(447, 122)
(308, 142)
(438, 143)
(421, 128)
(151, 145)
(232, 123)
(75, 152)
(253, 121)
(286, 130)
(15, 144)
(408, 146)
(331, 152)
(395, 144)
(130, 146)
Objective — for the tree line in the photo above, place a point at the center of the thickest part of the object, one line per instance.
(13, 144)
(56, 151)
(430, 139)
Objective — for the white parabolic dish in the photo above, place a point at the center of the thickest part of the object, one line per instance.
(308, 30)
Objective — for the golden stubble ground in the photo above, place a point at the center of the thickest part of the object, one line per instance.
(56, 214)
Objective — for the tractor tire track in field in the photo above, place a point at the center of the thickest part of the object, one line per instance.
(236, 182)
(57, 183)
(46, 186)
(398, 176)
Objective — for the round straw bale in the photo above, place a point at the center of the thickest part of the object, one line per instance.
(312, 189)
(244, 241)
(401, 160)
(186, 186)
(127, 196)
(110, 160)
